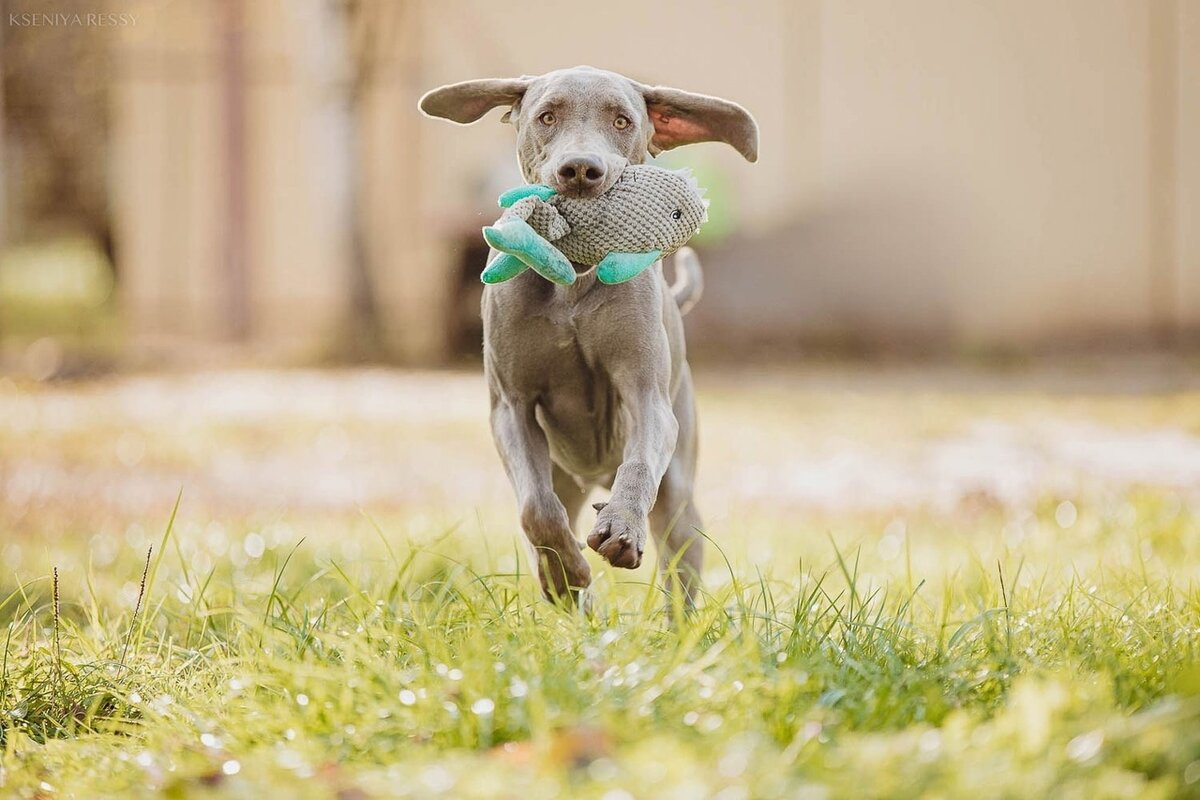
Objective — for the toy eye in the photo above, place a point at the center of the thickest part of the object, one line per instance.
(677, 214)
(547, 118)
(621, 123)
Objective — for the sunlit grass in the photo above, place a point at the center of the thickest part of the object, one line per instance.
(913, 589)
(424, 670)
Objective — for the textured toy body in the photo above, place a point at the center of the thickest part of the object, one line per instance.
(648, 213)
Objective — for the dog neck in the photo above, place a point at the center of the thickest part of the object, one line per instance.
(585, 281)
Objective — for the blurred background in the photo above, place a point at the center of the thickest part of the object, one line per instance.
(964, 274)
(198, 180)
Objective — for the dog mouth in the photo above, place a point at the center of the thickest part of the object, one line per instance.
(577, 193)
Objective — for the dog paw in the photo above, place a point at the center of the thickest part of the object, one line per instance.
(564, 576)
(617, 536)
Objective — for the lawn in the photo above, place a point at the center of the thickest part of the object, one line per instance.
(919, 583)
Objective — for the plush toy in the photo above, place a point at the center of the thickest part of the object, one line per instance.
(648, 213)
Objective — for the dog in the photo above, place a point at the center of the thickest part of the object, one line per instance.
(589, 384)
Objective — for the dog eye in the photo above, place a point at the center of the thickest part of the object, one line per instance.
(621, 123)
(676, 214)
(547, 118)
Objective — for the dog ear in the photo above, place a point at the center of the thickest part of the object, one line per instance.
(466, 102)
(681, 118)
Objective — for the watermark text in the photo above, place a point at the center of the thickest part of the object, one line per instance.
(96, 20)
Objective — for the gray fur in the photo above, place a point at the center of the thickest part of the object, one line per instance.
(589, 383)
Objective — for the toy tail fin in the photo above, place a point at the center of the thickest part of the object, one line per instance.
(689, 279)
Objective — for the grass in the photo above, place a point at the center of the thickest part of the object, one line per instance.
(419, 670)
(252, 642)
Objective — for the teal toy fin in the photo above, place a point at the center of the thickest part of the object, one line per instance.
(502, 268)
(620, 267)
(521, 192)
(517, 238)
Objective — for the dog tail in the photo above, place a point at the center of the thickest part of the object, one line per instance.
(689, 279)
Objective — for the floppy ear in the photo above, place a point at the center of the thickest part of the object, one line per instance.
(466, 102)
(681, 118)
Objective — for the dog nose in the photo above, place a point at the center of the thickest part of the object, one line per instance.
(581, 173)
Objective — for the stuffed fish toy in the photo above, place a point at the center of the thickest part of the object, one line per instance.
(648, 213)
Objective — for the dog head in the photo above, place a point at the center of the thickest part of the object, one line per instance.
(578, 128)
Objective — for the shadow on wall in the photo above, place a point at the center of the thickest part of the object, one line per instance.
(873, 269)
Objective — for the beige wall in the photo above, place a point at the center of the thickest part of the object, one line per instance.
(1016, 173)
(994, 172)
(1187, 261)
(163, 195)
(168, 177)
(1008, 145)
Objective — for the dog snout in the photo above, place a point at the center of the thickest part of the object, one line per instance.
(581, 174)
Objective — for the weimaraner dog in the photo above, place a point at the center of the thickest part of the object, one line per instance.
(589, 383)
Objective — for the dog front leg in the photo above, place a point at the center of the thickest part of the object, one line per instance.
(521, 442)
(619, 534)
